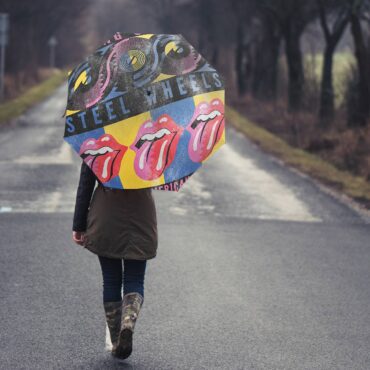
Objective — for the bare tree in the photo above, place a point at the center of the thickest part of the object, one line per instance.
(265, 71)
(243, 58)
(341, 11)
(362, 54)
(31, 25)
(292, 17)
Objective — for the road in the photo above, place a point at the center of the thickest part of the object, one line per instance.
(257, 267)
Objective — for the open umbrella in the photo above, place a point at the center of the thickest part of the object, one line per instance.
(145, 110)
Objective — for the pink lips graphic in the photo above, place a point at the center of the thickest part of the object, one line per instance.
(155, 146)
(103, 156)
(206, 128)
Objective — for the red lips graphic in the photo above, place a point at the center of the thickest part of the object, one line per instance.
(206, 128)
(155, 146)
(103, 156)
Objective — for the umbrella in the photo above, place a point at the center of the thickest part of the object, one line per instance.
(145, 110)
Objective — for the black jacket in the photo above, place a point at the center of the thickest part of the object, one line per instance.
(84, 192)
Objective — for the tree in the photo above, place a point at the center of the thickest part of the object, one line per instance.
(266, 56)
(332, 37)
(257, 48)
(243, 58)
(31, 25)
(362, 54)
(292, 17)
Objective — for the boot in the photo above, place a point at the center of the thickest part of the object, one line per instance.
(131, 305)
(113, 314)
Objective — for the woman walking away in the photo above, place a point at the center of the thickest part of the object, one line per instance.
(120, 227)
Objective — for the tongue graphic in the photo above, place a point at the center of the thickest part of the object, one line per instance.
(102, 165)
(206, 129)
(155, 147)
(103, 156)
(153, 157)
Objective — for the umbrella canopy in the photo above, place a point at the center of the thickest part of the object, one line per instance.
(145, 110)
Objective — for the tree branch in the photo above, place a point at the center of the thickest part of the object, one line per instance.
(323, 20)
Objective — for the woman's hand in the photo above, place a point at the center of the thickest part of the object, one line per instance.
(78, 237)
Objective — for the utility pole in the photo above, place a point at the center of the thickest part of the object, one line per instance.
(4, 26)
(52, 43)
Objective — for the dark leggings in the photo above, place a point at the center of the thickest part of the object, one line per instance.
(132, 278)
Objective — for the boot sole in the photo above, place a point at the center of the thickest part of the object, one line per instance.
(124, 348)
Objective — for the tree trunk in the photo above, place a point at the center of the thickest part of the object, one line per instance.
(264, 85)
(327, 90)
(332, 37)
(292, 36)
(239, 60)
(215, 54)
(363, 60)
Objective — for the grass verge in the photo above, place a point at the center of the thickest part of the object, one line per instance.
(35, 94)
(353, 186)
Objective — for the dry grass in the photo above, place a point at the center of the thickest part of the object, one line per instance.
(31, 96)
(354, 186)
(346, 148)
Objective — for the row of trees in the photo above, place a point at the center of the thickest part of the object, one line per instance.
(32, 23)
(285, 21)
(243, 38)
(259, 31)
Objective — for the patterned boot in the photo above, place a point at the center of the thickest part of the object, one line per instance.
(131, 305)
(113, 314)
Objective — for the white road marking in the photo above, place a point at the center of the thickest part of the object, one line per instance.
(179, 211)
(62, 156)
(37, 202)
(52, 201)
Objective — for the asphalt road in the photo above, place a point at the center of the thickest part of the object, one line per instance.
(257, 268)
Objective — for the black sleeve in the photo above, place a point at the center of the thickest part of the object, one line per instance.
(84, 192)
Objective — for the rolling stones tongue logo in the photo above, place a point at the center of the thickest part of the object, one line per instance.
(206, 128)
(103, 156)
(155, 146)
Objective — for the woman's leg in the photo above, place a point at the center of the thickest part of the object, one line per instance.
(133, 287)
(112, 298)
(112, 278)
(133, 276)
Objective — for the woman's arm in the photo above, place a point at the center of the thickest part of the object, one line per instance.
(83, 197)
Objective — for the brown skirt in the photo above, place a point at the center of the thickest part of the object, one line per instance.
(122, 224)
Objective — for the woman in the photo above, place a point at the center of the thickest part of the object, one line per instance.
(120, 227)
